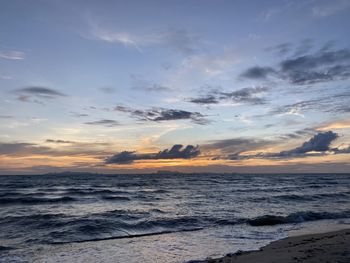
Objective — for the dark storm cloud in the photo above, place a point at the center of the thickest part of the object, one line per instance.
(250, 95)
(301, 69)
(257, 72)
(104, 122)
(161, 114)
(318, 145)
(176, 152)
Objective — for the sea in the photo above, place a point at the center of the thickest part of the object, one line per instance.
(164, 217)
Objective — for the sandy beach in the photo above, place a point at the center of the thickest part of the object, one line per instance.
(326, 247)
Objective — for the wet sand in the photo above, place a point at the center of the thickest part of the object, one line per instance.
(332, 247)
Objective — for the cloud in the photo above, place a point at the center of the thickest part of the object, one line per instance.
(139, 83)
(304, 47)
(22, 148)
(112, 36)
(179, 40)
(245, 95)
(176, 152)
(318, 145)
(58, 141)
(281, 49)
(257, 72)
(78, 115)
(12, 55)
(330, 8)
(249, 95)
(155, 88)
(340, 124)
(40, 91)
(104, 122)
(334, 103)
(6, 117)
(208, 99)
(319, 67)
(27, 94)
(212, 63)
(161, 114)
(322, 66)
(298, 134)
(63, 148)
(342, 150)
(235, 146)
(107, 90)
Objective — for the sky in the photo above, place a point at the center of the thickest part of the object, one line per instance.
(190, 86)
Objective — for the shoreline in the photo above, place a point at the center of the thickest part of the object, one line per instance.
(325, 247)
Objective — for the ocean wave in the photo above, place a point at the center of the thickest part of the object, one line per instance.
(298, 217)
(35, 200)
(116, 198)
(86, 230)
(303, 197)
(312, 196)
(78, 191)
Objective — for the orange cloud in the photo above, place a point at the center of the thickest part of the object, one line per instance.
(340, 124)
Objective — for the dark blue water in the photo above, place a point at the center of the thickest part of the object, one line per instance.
(53, 210)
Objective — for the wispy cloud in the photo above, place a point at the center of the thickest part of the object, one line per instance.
(330, 8)
(58, 141)
(332, 103)
(104, 122)
(339, 124)
(61, 148)
(12, 55)
(139, 83)
(123, 38)
(213, 63)
(234, 146)
(179, 40)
